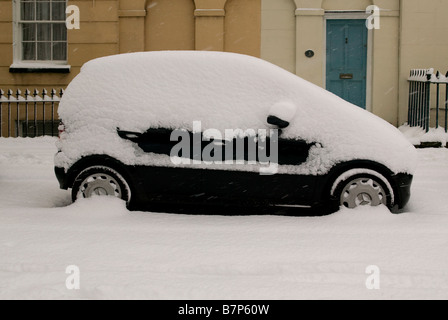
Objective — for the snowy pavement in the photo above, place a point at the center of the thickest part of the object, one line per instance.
(144, 255)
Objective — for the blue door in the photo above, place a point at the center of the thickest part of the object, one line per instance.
(346, 70)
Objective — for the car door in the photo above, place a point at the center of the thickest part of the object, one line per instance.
(248, 187)
(166, 182)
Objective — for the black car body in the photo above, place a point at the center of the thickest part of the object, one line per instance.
(145, 167)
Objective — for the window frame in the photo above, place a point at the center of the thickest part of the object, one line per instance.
(24, 66)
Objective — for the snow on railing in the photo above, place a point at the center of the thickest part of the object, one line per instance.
(29, 114)
(420, 81)
(424, 75)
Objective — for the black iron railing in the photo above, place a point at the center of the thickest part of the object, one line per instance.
(29, 114)
(419, 106)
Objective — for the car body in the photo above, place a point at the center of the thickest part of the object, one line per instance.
(197, 128)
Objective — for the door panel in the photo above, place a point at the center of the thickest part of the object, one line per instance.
(246, 187)
(193, 184)
(160, 182)
(346, 67)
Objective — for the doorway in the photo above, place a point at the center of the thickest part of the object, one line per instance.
(346, 59)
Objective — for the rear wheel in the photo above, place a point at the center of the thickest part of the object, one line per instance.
(100, 181)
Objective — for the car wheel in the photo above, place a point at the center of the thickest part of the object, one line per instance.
(100, 181)
(354, 189)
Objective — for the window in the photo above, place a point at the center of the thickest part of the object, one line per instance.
(40, 31)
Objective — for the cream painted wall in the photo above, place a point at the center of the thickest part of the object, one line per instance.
(289, 28)
(278, 33)
(346, 4)
(119, 26)
(385, 67)
(423, 42)
(242, 27)
(97, 37)
(169, 25)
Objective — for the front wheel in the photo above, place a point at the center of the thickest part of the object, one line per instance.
(100, 181)
(354, 189)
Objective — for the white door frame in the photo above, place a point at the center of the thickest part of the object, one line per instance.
(358, 15)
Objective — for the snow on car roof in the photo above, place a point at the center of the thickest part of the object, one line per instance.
(172, 89)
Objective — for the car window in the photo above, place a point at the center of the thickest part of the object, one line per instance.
(292, 151)
(156, 141)
(196, 147)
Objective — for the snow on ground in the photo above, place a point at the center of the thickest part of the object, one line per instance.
(417, 135)
(144, 255)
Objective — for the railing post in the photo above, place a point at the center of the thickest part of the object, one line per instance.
(27, 94)
(44, 94)
(53, 93)
(35, 93)
(1, 112)
(427, 104)
(446, 104)
(18, 93)
(437, 100)
(422, 104)
(410, 102)
(9, 111)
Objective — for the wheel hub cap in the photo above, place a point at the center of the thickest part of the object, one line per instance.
(100, 184)
(363, 192)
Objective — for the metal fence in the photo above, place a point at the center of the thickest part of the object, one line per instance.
(29, 114)
(419, 108)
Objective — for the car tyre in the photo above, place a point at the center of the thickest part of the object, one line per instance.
(100, 181)
(353, 189)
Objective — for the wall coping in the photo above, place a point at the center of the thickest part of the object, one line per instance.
(209, 13)
(131, 13)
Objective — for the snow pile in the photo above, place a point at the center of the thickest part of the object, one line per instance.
(172, 89)
(417, 135)
(283, 110)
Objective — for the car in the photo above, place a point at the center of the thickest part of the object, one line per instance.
(194, 128)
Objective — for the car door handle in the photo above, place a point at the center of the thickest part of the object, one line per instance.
(129, 135)
(346, 76)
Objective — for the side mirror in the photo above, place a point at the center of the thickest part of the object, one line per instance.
(275, 121)
(281, 114)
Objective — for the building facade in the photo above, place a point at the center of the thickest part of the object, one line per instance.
(324, 41)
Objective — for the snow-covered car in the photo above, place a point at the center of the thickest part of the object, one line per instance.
(190, 127)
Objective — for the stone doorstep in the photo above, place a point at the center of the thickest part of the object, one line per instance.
(430, 145)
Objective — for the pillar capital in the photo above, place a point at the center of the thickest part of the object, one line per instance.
(392, 5)
(308, 4)
(210, 4)
(210, 8)
(125, 5)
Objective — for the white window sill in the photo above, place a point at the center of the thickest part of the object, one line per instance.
(37, 67)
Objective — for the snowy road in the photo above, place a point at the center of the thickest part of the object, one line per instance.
(143, 255)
